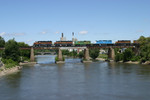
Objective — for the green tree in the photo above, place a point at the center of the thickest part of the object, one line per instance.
(12, 50)
(65, 52)
(2, 42)
(22, 44)
(118, 57)
(25, 54)
(94, 53)
(144, 48)
(127, 55)
(74, 53)
(81, 54)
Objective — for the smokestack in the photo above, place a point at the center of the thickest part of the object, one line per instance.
(72, 33)
(62, 35)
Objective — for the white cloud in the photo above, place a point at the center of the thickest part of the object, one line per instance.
(83, 32)
(11, 34)
(3, 33)
(30, 42)
(44, 32)
(56, 32)
(17, 34)
(139, 31)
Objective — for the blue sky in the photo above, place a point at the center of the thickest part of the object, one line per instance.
(33, 20)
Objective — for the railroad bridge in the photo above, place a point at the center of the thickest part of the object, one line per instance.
(111, 52)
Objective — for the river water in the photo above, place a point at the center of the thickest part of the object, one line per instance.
(77, 81)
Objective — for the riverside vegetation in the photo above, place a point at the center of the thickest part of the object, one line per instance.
(12, 55)
(142, 55)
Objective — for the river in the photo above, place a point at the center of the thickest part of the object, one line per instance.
(77, 81)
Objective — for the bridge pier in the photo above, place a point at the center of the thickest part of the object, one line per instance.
(86, 56)
(60, 57)
(111, 54)
(32, 55)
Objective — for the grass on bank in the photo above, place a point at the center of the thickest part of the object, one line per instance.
(9, 63)
(104, 56)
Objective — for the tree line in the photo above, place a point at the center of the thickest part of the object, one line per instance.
(142, 54)
(12, 55)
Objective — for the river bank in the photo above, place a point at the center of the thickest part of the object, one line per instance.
(26, 63)
(6, 71)
(128, 62)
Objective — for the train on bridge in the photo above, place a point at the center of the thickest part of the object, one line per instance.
(99, 43)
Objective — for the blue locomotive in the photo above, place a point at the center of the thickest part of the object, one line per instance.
(103, 41)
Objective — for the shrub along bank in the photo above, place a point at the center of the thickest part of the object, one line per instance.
(12, 55)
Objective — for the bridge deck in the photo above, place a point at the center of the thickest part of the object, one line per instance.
(73, 47)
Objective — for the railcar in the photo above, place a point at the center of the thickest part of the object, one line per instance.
(123, 43)
(82, 43)
(103, 43)
(63, 43)
(42, 44)
(135, 43)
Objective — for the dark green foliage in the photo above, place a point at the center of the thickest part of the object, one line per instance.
(104, 56)
(12, 50)
(22, 44)
(25, 54)
(127, 55)
(81, 54)
(71, 54)
(12, 54)
(9, 63)
(65, 52)
(144, 48)
(56, 50)
(2, 42)
(56, 58)
(94, 53)
(135, 58)
(1, 53)
(118, 57)
(74, 53)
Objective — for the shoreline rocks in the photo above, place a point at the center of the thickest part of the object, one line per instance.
(59, 62)
(6, 71)
(26, 63)
(128, 62)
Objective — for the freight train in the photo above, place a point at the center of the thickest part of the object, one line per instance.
(42, 44)
(99, 43)
(63, 43)
(123, 43)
